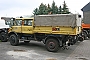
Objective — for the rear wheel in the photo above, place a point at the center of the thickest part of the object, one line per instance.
(3, 37)
(85, 36)
(52, 45)
(80, 39)
(13, 40)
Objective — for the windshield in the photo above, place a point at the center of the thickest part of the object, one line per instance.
(9, 22)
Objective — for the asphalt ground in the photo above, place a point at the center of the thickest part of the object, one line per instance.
(37, 51)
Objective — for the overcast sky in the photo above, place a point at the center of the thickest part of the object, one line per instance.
(25, 7)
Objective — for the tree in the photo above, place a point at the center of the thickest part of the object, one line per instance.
(56, 10)
(60, 10)
(36, 11)
(65, 10)
(49, 9)
(43, 9)
(53, 8)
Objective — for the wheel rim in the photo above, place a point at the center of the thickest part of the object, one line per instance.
(51, 45)
(12, 39)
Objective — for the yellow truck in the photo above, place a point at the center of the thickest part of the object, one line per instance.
(55, 31)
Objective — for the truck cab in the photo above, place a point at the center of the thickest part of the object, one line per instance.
(23, 25)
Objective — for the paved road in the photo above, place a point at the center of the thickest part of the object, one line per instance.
(37, 51)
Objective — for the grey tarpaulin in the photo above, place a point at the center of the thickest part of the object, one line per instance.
(56, 20)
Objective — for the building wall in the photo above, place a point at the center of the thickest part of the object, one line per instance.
(86, 17)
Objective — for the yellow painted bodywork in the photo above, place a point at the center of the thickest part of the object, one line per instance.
(46, 30)
(63, 30)
(66, 30)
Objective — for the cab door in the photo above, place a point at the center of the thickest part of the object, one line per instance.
(17, 26)
(27, 26)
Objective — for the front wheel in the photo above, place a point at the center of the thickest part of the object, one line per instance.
(52, 45)
(13, 40)
(3, 37)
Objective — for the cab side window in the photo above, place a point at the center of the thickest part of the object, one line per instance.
(28, 22)
(18, 22)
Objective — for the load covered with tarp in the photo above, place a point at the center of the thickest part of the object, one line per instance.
(57, 20)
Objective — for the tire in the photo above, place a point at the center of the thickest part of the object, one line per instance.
(26, 41)
(3, 37)
(14, 41)
(81, 39)
(85, 36)
(52, 45)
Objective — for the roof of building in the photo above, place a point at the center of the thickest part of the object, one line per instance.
(86, 7)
